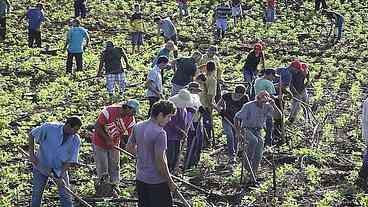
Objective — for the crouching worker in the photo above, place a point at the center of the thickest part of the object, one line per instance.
(113, 126)
(252, 118)
(149, 143)
(58, 150)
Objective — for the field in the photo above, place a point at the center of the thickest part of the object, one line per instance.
(318, 164)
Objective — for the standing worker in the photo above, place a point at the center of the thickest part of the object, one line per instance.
(59, 146)
(110, 59)
(35, 17)
(80, 8)
(254, 58)
(138, 28)
(149, 143)
(4, 10)
(75, 38)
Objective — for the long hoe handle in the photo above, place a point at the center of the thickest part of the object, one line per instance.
(182, 198)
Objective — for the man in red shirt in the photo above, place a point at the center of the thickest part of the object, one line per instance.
(113, 126)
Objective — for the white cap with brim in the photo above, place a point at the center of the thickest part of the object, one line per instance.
(183, 99)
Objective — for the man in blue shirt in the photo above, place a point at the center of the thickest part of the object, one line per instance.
(166, 28)
(74, 45)
(4, 10)
(35, 17)
(58, 150)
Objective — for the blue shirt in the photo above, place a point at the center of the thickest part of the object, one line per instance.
(285, 75)
(53, 151)
(76, 36)
(168, 28)
(35, 17)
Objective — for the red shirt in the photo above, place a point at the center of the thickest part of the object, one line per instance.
(114, 125)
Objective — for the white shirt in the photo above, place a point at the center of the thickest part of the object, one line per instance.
(155, 77)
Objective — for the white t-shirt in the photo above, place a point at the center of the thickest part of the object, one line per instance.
(155, 77)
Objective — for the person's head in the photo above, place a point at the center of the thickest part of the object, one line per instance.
(162, 61)
(295, 65)
(263, 97)
(75, 22)
(157, 20)
(162, 111)
(197, 56)
(170, 45)
(194, 87)
(210, 67)
(304, 68)
(258, 48)
(109, 45)
(212, 51)
(270, 74)
(183, 99)
(39, 6)
(130, 108)
(136, 7)
(201, 78)
(72, 125)
(239, 92)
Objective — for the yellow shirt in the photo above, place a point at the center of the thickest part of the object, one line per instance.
(137, 25)
(208, 90)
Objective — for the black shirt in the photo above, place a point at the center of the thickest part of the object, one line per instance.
(252, 61)
(231, 106)
(297, 81)
(136, 16)
(112, 60)
(186, 68)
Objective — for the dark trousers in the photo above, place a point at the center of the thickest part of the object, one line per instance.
(194, 145)
(207, 124)
(78, 59)
(153, 195)
(80, 9)
(317, 4)
(34, 36)
(172, 154)
(2, 27)
(152, 100)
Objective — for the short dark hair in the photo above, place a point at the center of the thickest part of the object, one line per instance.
(162, 59)
(157, 19)
(201, 77)
(164, 107)
(211, 66)
(74, 121)
(240, 89)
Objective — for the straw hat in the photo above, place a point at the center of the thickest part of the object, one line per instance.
(183, 99)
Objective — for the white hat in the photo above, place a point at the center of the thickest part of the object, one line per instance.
(183, 99)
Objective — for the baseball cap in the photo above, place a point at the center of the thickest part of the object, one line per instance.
(134, 104)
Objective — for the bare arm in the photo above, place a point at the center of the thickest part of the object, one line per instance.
(132, 149)
(101, 132)
(161, 164)
(100, 67)
(125, 57)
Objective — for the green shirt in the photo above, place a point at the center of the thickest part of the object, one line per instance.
(262, 84)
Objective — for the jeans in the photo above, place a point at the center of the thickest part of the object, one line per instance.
(172, 154)
(249, 75)
(2, 27)
(255, 147)
(295, 105)
(207, 124)
(39, 182)
(78, 59)
(340, 27)
(183, 9)
(270, 14)
(80, 9)
(269, 131)
(232, 141)
(194, 145)
(172, 38)
(153, 195)
(107, 163)
(221, 23)
(34, 36)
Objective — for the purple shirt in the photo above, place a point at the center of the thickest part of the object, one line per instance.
(176, 123)
(150, 139)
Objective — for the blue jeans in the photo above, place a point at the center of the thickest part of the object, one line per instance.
(255, 147)
(194, 145)
(172, 154)
(249, 75)
(340, 27)
(270, 15)
(207, 124)
(269, 130)
(39, 183)
(232, 141)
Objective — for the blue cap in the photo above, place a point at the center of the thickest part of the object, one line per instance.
(134, 104)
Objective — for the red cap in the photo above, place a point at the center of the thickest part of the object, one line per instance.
(296, 64)
(304, 68)
(258, 46)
